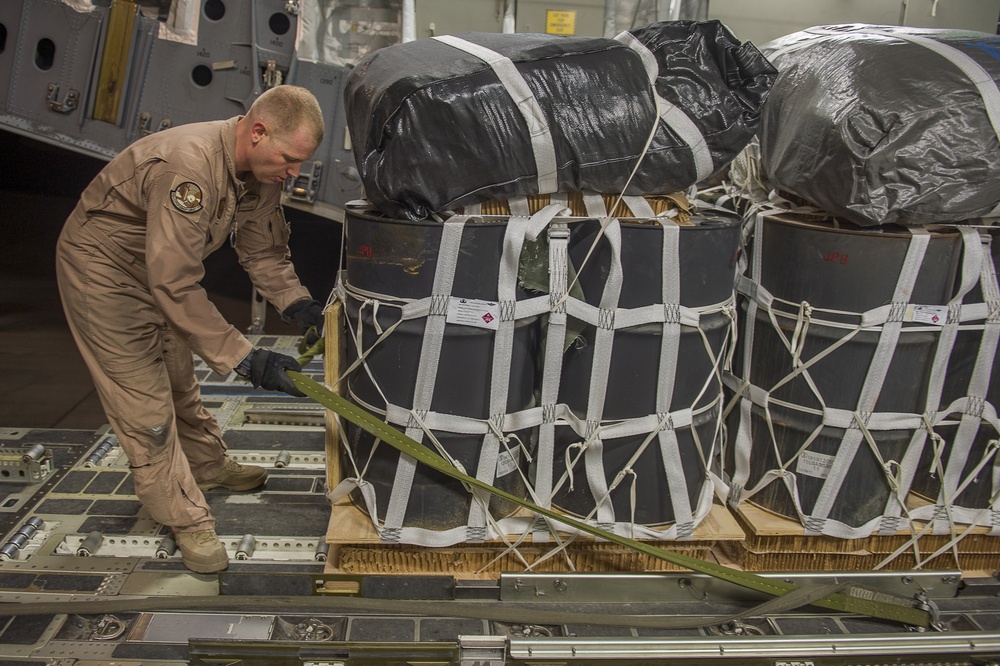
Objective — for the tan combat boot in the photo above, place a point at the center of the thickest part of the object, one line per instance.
(235, 476)
(202, 552)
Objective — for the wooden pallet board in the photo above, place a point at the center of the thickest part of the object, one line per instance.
(778, 543)
(355, 548)
(333, 360)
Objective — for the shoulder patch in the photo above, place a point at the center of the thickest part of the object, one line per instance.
(186, 197)
(248, 202)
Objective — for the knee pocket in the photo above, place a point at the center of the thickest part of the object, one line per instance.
(136, 370)
(150, 445)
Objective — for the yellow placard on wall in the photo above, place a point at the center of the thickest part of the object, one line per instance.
(560, 22)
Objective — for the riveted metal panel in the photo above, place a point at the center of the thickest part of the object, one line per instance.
(274, 30)
(223, 22)
(187, 84)
(50, 61)
(10, 21)
(53, 65)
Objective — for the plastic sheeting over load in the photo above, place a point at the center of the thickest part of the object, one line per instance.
(455, 120)
(884, 124)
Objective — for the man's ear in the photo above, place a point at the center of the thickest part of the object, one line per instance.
(257, 131)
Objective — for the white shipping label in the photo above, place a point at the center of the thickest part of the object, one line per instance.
(473, 312)
(814, 464)
(927, 314)
(507, 462)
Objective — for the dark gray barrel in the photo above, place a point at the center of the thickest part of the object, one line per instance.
(398, 259)
(709, 248)
(853, 271)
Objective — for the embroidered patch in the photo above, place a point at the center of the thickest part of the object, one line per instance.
(186, 197)
(249, 202)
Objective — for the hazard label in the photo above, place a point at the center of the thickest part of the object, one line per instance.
(927, 314)
(473, 312)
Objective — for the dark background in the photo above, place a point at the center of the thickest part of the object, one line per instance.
(43, 381)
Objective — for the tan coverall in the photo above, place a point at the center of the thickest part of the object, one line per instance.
(129, 264)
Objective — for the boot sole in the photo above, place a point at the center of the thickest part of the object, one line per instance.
(205, 567)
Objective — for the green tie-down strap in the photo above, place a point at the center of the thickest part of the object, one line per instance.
(309, 352)
(839, 602)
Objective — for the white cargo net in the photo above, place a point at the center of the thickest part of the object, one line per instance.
(956, 464)
(593, 430)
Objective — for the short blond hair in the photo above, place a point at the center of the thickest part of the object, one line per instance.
(285, 108)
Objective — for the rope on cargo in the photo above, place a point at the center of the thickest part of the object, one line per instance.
(858, 424)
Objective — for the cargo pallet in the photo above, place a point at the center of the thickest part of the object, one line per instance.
(355, 548)
(778, 543)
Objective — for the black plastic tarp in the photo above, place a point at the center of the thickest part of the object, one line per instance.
(434, 127)
(880, 125)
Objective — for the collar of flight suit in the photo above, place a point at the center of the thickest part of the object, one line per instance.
(229, 153)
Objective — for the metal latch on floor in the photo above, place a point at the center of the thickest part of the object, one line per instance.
(32, 465)
(852, 599)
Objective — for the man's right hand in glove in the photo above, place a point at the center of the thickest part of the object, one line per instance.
(308, 315)
(266, 369)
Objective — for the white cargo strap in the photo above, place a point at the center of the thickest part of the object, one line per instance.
(673, 467)
(430, 353)
(604, 339)
(972, 266)
(552, 367)
(640, 207)
(954, 481)
(750, 288)
(503, 347)
(503, 350)
(671, 115)
(554, 340)
(973, 259)
(670, 294)
(554, 350)
(538, 127)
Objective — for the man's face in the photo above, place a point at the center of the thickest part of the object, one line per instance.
(274, 158)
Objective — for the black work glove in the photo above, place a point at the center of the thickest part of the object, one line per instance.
(308, 315)
(266, 369)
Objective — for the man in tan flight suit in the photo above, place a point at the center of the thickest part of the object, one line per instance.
(129, 263)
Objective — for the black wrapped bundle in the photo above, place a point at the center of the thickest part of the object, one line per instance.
(435, 127)
(880, 124)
